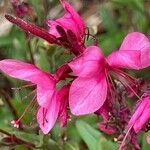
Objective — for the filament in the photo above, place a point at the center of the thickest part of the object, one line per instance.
(126, 84)
(107, 77)
(123, 141)
(31, 93)
(125, 75)
(21, 87)
(27, 109)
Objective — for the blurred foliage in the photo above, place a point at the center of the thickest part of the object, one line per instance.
(117, 18)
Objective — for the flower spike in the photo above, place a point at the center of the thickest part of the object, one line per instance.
(32, 28)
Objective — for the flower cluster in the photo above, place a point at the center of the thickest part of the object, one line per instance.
(98, 84)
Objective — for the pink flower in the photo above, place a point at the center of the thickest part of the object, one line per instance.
(69, 28)
(57, 108)
(88, 91)
(52, 103)
(71, 21)
(67, 31)
(47, 117)
(140, 118)
(63, 95)
(141, 115)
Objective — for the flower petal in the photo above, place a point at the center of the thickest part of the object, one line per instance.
(63, 96)
(28, 72)
(142, 120)
(141, 115)
(62, 72)
(135, 41)
(70, 21)
(44, 93)
(75, 16)
(125, 59)
(87, 95)
(89, 63)
(106, 128)
(134, 52)
(47, 117)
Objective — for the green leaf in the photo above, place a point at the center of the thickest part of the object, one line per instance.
(134, 4)
(93, 138)
(109, 21)
(88, 134)
(20, 147)
(71, 146)
(145, 145)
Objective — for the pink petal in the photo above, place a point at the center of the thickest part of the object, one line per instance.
(75, 16)
(44, 93)
(28, 72)
(125, 59)
(63, 96)
(87, 95)
(104, 111)
(143, 119)
(136, 115)
(134, 52)
(62, 72)
(70, 21)
(47, 117)
(135, 41)
(139, 126)
(141, 115)
(89, 63)
(104, 127)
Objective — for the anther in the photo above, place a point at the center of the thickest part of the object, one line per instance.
(16, 123)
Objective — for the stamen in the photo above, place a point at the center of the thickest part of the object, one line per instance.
(35, 105)
(125, 83)
(94, 37)
(31, 93)
(132, 90)
(107, 79)
(88, 34)
(24, 86)
(112, 82)
(125, 137)
(125, 75)
(16, 123)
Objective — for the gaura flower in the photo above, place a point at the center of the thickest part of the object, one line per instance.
(52, 103)
(88, 91)
(67, 31)
(71, 23)
(63, 95)
(57, 108)
(140, 117)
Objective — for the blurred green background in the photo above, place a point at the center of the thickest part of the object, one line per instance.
(109, 21)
